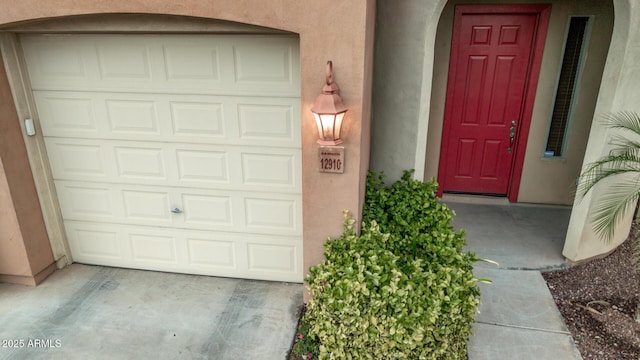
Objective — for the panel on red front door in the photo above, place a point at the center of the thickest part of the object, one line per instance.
(490, 58)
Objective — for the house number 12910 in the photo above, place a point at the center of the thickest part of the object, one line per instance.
(330, 164)
(331, 159)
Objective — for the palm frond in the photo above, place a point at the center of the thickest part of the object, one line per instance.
(614, 205)
(627, 120)
(625, 161)
(622, 162)
(609, 166)
(624, 145)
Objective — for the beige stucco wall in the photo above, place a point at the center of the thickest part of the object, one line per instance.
(550, 180)
(341, 31)
(399, 60)
(619, 91)
(544, 180)
(12, 251)
(25, 254)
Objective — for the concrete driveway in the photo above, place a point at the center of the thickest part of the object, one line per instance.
(92, 312)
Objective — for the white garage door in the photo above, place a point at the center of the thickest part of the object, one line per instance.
(175, 153)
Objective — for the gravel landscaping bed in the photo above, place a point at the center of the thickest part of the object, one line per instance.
(598, 300)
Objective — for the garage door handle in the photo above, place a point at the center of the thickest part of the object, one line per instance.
(176, 211)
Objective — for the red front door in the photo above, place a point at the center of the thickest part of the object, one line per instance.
(489, 81)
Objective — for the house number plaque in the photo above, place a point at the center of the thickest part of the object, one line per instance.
(331, 159)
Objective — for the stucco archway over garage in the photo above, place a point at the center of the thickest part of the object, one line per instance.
(321, 214)
(404, 98)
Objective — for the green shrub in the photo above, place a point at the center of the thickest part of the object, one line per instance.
(411, 212)
(400, 290)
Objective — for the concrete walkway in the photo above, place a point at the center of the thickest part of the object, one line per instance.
(518, 318)
(518, 237)
(92, 312)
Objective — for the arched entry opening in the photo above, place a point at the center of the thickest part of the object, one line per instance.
(542, 177)
(413, 113)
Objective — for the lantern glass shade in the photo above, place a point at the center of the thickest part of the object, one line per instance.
(329, 126)
(328, 110)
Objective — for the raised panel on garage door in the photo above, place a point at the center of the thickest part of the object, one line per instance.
(206, 64)
(175, 152)
(267, 169)
(194, 119)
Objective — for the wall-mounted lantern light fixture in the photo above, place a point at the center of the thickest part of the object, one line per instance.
(329, 111)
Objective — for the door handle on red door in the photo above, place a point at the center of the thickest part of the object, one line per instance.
(512, 135)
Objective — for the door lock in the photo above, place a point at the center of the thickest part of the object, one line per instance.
(176, 211)
(512, 135)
